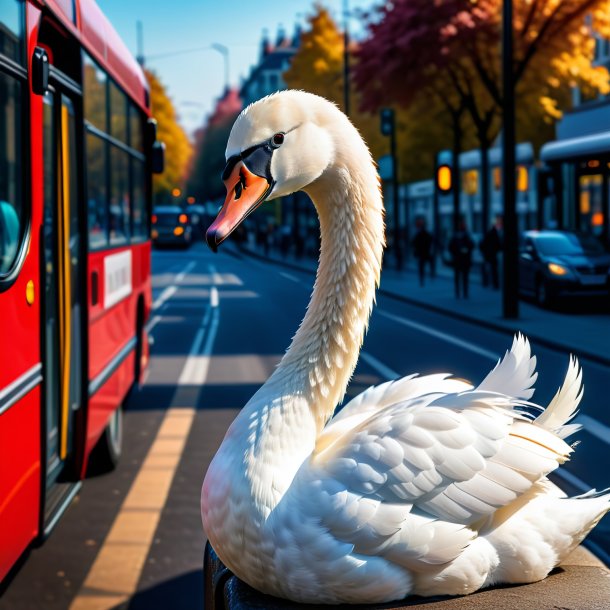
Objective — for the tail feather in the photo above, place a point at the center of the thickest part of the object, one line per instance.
(515, 374)
(564, 406)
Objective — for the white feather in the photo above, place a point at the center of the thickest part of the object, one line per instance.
(423, 485)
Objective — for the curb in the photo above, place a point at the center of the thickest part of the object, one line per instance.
(582, 353)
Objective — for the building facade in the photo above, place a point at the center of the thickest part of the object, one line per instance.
(577, 163)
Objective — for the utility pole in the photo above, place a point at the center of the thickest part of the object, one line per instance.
(140, 42)
(388, 128)
(346, 80)
(510, 296)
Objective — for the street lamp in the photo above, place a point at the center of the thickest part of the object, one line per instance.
(510, 296)
(224, 51)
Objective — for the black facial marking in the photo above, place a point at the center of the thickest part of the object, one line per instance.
(256, 158)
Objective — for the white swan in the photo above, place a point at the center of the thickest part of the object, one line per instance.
(425, 485)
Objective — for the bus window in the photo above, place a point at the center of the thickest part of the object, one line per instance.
(135, 129)
(11, 198)
(97, 195)
(119, 195)
(118, 113)
(139, 209)
(94, 94)
(11, 28)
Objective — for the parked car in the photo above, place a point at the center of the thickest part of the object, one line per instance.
(171, 227)
(554, 264)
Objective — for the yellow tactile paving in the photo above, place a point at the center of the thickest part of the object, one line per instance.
(113, 577)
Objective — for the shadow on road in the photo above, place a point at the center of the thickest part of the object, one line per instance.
(184, 592)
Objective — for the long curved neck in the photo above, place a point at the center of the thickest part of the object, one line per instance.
(324, 352)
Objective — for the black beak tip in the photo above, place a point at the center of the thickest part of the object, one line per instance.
(210, 238)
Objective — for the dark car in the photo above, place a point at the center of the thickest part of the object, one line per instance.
(171, 227)
(198, 218)
(555, 264)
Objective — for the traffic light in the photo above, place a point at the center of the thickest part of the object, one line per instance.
(444, 178)
(387, 121)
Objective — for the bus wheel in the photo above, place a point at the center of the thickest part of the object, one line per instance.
(108, 450)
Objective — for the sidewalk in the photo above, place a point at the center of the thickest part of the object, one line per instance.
(586, 335)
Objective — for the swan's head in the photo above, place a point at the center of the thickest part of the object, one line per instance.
(278, 145)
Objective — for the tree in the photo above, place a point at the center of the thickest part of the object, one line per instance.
(451, 53)
(204, 181)
(178, 149)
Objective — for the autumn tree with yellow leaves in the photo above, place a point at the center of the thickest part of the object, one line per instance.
(178, 149)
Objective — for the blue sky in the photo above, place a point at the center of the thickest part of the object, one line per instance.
(195, 79)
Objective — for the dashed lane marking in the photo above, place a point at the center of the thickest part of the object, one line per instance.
(467, 345)
(290, 277)
(164, 296)
(169, 291)
(180, 277)
(114, 575)
(384, 370)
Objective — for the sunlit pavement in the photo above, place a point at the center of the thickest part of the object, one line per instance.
(133, 538)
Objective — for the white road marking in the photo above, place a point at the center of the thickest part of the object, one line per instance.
(171, 290)
(152, 323)
(290, 277)
(214, 297)
(440, 335)
(166, 294)
(385, 371)
(180, 277)
(594, 427)
(195, 370)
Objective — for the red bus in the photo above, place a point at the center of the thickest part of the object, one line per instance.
(76, 154)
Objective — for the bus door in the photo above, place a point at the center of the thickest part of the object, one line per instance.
(63, 308)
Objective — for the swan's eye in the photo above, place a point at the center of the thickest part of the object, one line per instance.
(277, 140)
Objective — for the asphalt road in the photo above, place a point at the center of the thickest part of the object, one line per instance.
(133, 537)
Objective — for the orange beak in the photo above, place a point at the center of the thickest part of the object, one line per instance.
(245, 192)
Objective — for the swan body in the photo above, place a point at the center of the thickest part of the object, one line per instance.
(425, 485)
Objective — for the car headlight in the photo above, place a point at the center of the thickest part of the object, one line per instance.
(557, 269)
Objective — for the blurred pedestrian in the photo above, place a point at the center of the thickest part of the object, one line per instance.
(491, 245)
(460, 248)
(422, 244)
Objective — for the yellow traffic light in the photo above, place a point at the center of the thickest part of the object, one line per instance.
(444, 178)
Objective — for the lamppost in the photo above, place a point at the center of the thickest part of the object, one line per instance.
(510, 296)
(224, 51)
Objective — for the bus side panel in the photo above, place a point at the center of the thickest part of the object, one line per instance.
(19, 478)
(103, 403)
(111, 325)
(111, 328)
